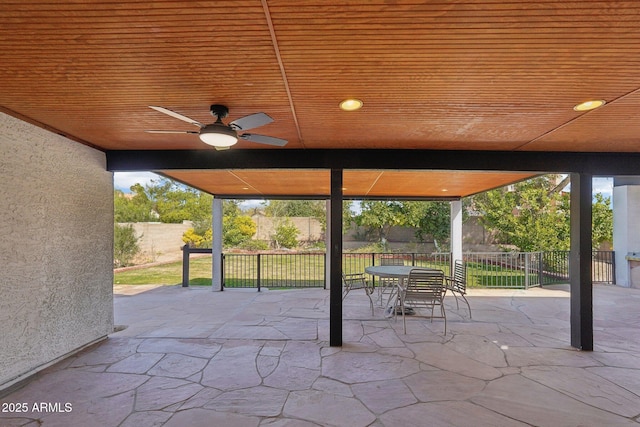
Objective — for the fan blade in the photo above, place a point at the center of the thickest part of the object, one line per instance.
(263, 139)
(176, 115)
(251, 121)
(173, 131)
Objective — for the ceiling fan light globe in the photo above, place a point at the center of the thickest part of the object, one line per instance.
(218, 135)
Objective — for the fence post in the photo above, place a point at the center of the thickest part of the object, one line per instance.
(324, 269)
(373, 262)
(221, 271)
(527, 268)
(613, 267)
(185, 266)
(540, 268)
(258, 272)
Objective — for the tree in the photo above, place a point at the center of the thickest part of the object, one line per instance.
(380, 216)
(430, 219)
(602, 220)
(134, 207)
(534, 216)
(163, 200)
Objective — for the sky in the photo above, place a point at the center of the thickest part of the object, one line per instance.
(124, 180)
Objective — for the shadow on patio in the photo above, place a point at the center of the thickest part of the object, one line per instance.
(192, 357)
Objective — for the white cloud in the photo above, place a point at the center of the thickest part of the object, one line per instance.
(124, 180)
(250, 204)
(604, 186)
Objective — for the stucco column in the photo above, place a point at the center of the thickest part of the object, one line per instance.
(456, 230)
(216, 246)
(626, 229)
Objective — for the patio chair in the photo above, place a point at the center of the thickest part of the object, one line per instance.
(357, 281)
(457, 283)
(424, 289)
(388, 285)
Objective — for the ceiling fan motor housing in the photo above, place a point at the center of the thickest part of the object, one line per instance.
(219, 111)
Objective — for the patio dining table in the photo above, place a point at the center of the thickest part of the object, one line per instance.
(399, 272)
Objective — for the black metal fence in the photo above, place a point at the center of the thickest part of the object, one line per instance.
(274, 270)
(519, 270)
(556, 267)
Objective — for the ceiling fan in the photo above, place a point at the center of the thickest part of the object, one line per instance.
(223, 136)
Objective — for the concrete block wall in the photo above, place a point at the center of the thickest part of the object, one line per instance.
(160, 242)
(56, 223)
(309, 228)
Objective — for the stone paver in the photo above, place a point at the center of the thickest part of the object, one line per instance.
(192, 357)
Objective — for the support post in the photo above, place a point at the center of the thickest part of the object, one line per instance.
(185, 266)
(456, 232)
(335, 260)
(327, 245)
(216, 248)
(580, 262)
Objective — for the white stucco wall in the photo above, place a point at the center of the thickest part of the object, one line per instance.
(626, 229)
(56, 248)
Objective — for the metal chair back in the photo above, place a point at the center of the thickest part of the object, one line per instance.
(425, 289)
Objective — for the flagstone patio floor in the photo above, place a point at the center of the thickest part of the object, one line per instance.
(189, 357)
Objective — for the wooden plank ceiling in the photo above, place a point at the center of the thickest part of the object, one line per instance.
(472, 75)
(407, 184)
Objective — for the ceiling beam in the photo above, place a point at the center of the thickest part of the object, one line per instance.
(602, 164)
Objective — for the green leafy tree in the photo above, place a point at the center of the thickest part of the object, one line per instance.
(125, 245)
(534, 216)
(602, 220)
(163, 200)
(176, 203)
(134, 207)
(430, 218)
(348, 216)
(380, 216)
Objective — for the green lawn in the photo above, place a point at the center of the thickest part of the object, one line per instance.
(167, 274)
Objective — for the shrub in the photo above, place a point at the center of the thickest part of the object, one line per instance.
(197, 240)
(254, 245)
(377, 247)
(125, 245)
(237, 230)
(286, 235)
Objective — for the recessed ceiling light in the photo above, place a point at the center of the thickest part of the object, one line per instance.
(351, 104)
(444, 190)
(590, 105)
